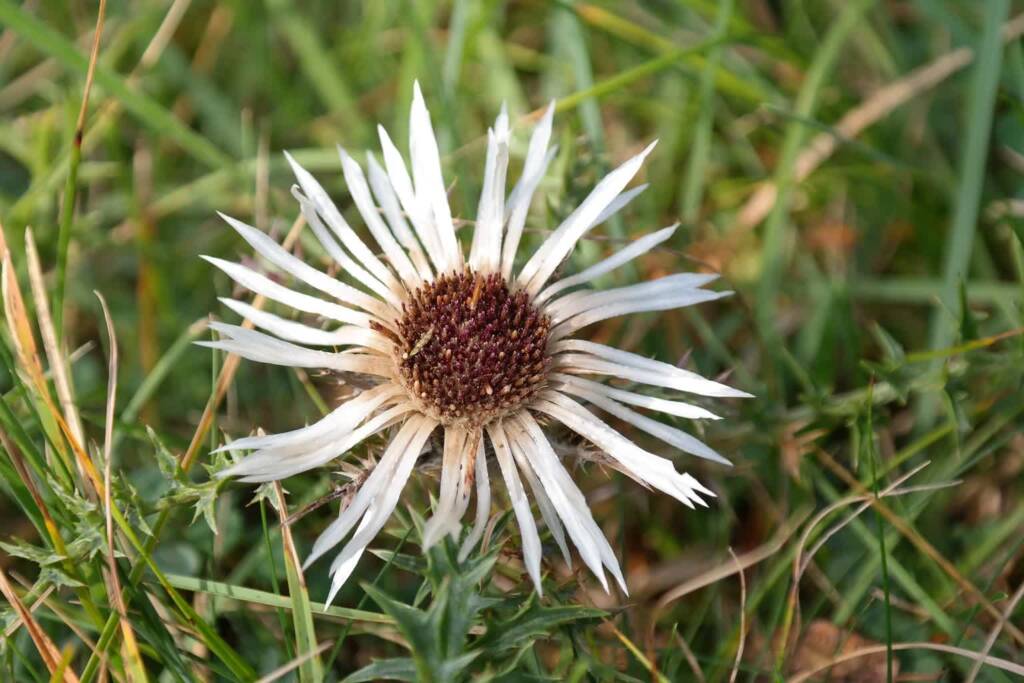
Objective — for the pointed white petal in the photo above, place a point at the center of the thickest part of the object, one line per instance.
(670, 435)
(276, 254)
(360, 192)
(620, 203)
(643, 305)
(537, 159)
(517, 215)
(326, 208)
(483, 503)
(547, 510)
(485, 253)
(467, 475)
(655, 470)
(261, 284)
(341, 419)
(451, 468)
(428, 179)
(388, 200)
(619, 258)
(573, 385)
(605, 360)
(279, 463)
(263, 348)
(567, 497)
(542, 264)
(341, 572)
(385, 482)
(672, 287)
(520, 504)
(346, 335)
(415, 207)
(535, 154)
(383, 504)
(390, 301)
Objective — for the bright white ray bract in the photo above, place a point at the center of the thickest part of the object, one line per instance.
(358, 329)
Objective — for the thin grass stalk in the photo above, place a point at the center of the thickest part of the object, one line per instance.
(71, 187)
(137, 670)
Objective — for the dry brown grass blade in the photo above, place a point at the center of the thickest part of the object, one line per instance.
(287, 541)
(996, 630)
(28, 358)
(164, 34)
(281, 671)
(51, 599)
(41, 600)
(17, 320)
(997, 662)
(27, 353)
(90, 73)
(743, 617)
(47, 650)
(137, 671)
(801, 561)
(869, 112)
(14, 453)
(58, 367)
(691, 659)
(726, 569)
(917, 540)
(19, 466)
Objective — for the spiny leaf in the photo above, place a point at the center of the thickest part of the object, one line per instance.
(416, 626)
(131, 503)
(451, 668)
(85, 525)
(76, 505)
(165, 460)
(395, 669)
(533, 622)
(201, 496)
(27, 551)
(265, 492)
(410, 563)
(57, 577)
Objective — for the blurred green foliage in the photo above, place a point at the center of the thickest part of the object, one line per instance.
(878, 320)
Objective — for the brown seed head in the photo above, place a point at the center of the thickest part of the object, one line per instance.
(470, 349)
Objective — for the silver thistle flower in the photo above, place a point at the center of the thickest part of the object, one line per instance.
(468, 346)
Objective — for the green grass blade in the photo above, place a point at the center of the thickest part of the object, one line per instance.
(311, 669)
(316, 62)
(142, 106)
(258, 597)
(796, 133)
(696, 169)
(980, 102)
(871, 455)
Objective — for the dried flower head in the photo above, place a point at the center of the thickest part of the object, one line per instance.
(472, 347)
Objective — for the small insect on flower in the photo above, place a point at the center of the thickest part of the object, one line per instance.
(472, 347)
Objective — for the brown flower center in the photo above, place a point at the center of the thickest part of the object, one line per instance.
(472, 350)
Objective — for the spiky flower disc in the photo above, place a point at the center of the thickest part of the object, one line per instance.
(470, 347)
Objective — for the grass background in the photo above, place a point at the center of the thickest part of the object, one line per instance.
(852, 168)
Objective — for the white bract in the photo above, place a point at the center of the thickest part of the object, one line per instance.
(465, 345)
